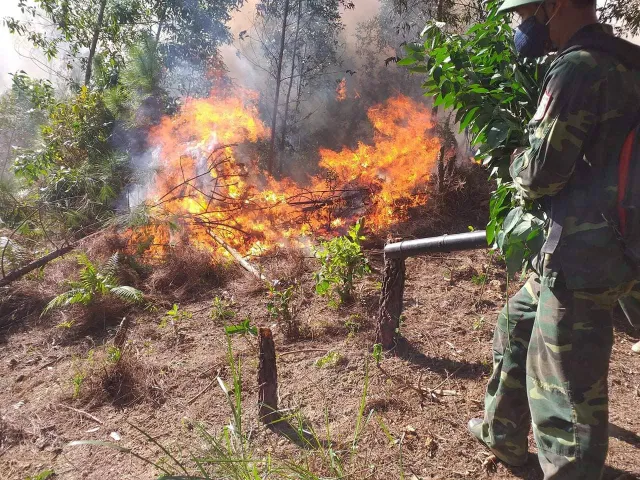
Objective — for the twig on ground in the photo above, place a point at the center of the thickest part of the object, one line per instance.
(205, 389)
(82, 412)
(432, 393)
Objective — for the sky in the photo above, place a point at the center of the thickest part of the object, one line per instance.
(16, 54)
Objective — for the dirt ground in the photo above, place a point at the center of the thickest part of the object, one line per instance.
(451, 302)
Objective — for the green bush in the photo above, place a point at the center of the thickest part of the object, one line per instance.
(94, 284)
(342, 261)
(494, 95)
(279, 309)
(77, 172)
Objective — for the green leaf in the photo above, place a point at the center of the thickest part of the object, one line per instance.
(468, 118)
(407, 61)
(242, 328)
(377, 353)
(512, 219)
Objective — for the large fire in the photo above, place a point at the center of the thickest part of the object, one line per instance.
(209, 186)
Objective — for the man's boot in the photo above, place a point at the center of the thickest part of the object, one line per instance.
(475, 427)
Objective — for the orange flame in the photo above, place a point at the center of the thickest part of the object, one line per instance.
(341, 91)
(209, 179)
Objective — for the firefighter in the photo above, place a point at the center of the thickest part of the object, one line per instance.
(553, 343)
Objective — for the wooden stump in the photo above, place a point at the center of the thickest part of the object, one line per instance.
(267, 377)
(390, 307)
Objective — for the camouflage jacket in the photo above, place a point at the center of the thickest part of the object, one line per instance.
(588, 105)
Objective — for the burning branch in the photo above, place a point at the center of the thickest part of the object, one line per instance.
(234, 253)
(204, 188)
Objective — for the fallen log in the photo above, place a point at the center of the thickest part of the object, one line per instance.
(267, 377)
(41, 262)
(239, 258)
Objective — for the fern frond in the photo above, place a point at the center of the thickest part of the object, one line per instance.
(91, 280)
(127, 293)
(111, 267)
(84, 261)
(67, 298)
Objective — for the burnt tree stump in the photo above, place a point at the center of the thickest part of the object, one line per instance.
(267, 377)
(390, 307)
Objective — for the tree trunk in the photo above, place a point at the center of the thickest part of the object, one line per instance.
(94, 43)
(440, 12)
(9, 147)
(283, 138)
(390, 302)
(41, 262)
(162, 18)
(441, 171)
(267, 377)
(274, 118)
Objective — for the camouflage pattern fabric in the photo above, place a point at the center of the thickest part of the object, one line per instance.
(588, 104)
(553, 340)
(550, 365)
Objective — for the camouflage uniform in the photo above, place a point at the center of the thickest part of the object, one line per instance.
(553, 341)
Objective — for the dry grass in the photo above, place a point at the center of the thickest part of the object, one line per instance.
(105, 244)
(10, 434)
(124, 383)
(286, 265)
(462, 203)
(187, 271)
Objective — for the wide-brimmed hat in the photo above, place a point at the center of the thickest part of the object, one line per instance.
(510, 5)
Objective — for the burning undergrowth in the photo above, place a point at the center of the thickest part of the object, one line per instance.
(210, 190)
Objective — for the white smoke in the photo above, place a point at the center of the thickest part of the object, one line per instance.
(16, 52)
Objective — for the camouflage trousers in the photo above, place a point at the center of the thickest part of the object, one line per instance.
(551, 354)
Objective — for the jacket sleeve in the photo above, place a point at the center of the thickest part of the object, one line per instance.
(565, 119)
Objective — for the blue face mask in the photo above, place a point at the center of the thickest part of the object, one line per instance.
(532, 38)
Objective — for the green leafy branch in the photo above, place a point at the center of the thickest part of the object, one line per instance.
(494, 95)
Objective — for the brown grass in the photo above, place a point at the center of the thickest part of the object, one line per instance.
(462, 203)
(10, 434)
(187, 271)
(105, 244)
(127, 382)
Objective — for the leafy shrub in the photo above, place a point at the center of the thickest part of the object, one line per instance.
(242, 328)
(331, 359)
(353, 324)
(114, 354)
(94, 284)
(174, 315)
(342, 261)
(77, 172)
(221, 310)
(43, 475)
(494, 95)
(279, 309)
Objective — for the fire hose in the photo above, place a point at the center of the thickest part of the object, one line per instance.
(444, 243)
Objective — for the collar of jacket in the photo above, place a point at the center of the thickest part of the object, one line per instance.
(600, 37)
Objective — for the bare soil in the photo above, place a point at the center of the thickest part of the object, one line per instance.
(166, 385)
